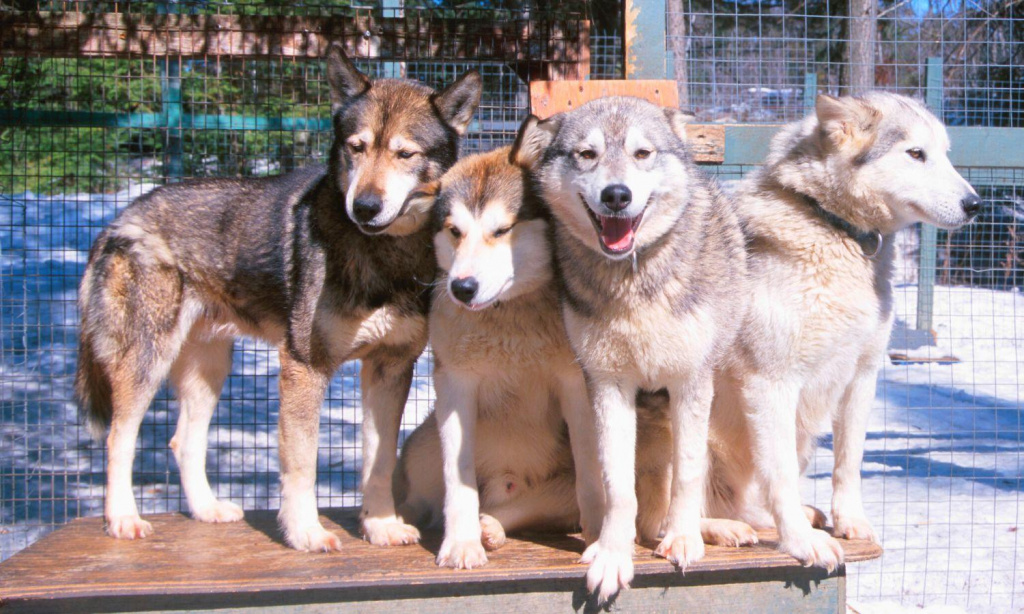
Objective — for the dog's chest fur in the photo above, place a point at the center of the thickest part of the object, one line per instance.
(814, 290)
(675, 313)
(519, 351)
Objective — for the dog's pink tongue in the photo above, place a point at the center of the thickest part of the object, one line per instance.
(617, 233)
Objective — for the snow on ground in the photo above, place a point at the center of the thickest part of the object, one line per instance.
(942, 471)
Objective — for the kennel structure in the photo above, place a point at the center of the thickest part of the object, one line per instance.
(102, 101)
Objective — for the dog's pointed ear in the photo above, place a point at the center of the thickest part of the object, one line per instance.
(846, 120)
(343, 77)
(459, 101)
(535, 135)
(418, 207)
(678, 119)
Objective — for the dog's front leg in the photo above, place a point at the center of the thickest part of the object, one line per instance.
(689, 410)
(579, 416)
(849, 428)
(611, 556)
(302, 388)
(771, 405)
(385, 382)
(456, 410)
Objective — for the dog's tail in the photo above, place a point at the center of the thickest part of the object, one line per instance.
(93, 391)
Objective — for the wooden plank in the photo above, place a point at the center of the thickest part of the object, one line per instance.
(232, 563)
(707, 141)
(561, 44)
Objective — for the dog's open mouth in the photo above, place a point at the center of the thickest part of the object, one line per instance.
(617, 234)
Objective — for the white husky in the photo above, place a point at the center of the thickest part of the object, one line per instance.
(820, 216)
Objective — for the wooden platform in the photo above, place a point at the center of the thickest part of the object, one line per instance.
(244, 566)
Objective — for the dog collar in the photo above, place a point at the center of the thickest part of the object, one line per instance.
(870, 242)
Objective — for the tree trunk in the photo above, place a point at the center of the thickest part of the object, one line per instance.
(677, 42)
(860, 61)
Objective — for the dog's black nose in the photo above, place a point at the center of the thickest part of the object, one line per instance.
(464, 288)
(971, 205)
(616, 197)
(365, 208)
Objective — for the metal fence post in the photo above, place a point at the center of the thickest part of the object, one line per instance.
(644, 39)
(929, 234)
(171, 107)
(810, 91)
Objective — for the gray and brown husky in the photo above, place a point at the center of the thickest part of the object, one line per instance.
(330, 264)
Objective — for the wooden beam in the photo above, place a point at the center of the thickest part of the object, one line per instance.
(707, 141)
(562, 44)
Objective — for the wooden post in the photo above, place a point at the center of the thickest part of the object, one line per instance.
(644, 39)
(863, 16)
(929, 234)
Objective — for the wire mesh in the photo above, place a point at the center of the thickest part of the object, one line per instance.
(942, 469)
(942, 472)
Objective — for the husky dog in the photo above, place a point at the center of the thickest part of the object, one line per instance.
(503, 371)
(328, 263)
(507, 381)
(820, 216)
(652, 268)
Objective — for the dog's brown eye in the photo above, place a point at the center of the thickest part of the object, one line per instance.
(917, 154)
(588, 154)
(502, 231)
(455, 232)
(642, 154)
(357, 147)
(405, 154)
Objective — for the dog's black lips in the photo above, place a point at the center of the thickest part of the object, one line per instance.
(596, 221)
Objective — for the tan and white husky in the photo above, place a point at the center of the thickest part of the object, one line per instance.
(820, 216)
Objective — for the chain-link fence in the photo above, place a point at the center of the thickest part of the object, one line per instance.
(104, 101)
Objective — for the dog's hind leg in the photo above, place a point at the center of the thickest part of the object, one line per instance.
(302, 393)
(198, 375)
(130, 400)
(145, 322)
(550, 506)
(386, 380)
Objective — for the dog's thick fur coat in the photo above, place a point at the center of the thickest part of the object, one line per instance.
(834, 187)
(330, 264)
(652, 268)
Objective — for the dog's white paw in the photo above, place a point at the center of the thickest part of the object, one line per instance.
(464, 554)
(611, 569)
(492, 534)
(390, 531)
(722, 532)
(816, 517)
(128, 527)
(855, 527)
(681, 549)
(313, 539)
(219, 511)
(814, 549)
